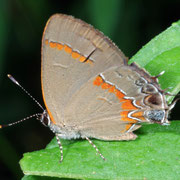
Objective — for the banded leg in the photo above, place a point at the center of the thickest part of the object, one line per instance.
(60, 147)
(94, 146)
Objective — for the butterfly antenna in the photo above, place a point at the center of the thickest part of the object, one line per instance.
(17, 83)
(17, 122)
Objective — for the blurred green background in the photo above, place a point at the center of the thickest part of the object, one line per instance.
(130, 24)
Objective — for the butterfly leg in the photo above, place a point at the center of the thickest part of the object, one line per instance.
(60, 147)
(94, 146)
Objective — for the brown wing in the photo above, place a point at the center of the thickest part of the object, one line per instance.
(108, 105)
(72, 53)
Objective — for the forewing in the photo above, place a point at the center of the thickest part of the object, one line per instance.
(72, 53)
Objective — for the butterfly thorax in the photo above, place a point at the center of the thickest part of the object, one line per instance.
(62, 132)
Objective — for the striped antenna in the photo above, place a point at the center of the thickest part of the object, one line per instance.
(37, 115)
(24, 119)
(17, 83)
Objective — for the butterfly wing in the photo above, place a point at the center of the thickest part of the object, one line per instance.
(72, 53)
(108, 105)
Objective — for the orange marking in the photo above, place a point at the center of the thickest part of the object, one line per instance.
(127, 104)
(59, 46)
(50, 114)
(89, 61)
(105, 86)
(128, 126)
(124, 117)
(139, 115)
(98, 81)
(46, 42)
(138, 102)
(52, 44)
(82, 58)
(123, 131)
(75, 55)
(0, 126)
(119, 94)
(112, 89)
(67, 49)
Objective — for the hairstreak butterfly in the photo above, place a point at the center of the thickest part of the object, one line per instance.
(89, 89)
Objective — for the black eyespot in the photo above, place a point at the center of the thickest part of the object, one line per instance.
(153, 99)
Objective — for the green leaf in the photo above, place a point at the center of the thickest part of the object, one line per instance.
(163, 54)
(39, 178)
(154, 154)
(42, 178)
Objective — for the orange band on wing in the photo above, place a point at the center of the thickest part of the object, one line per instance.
(112, 89)
(98, 81)
(52, 44)
(139, 115)
(127, 127)
(128, 105)
(124, 117)
(119, 94)
(82, 58)
(69, 50)
(105, 86)
(75, 55)
(59, 46)
(89, 61)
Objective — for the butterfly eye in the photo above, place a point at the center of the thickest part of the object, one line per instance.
(45, 119)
